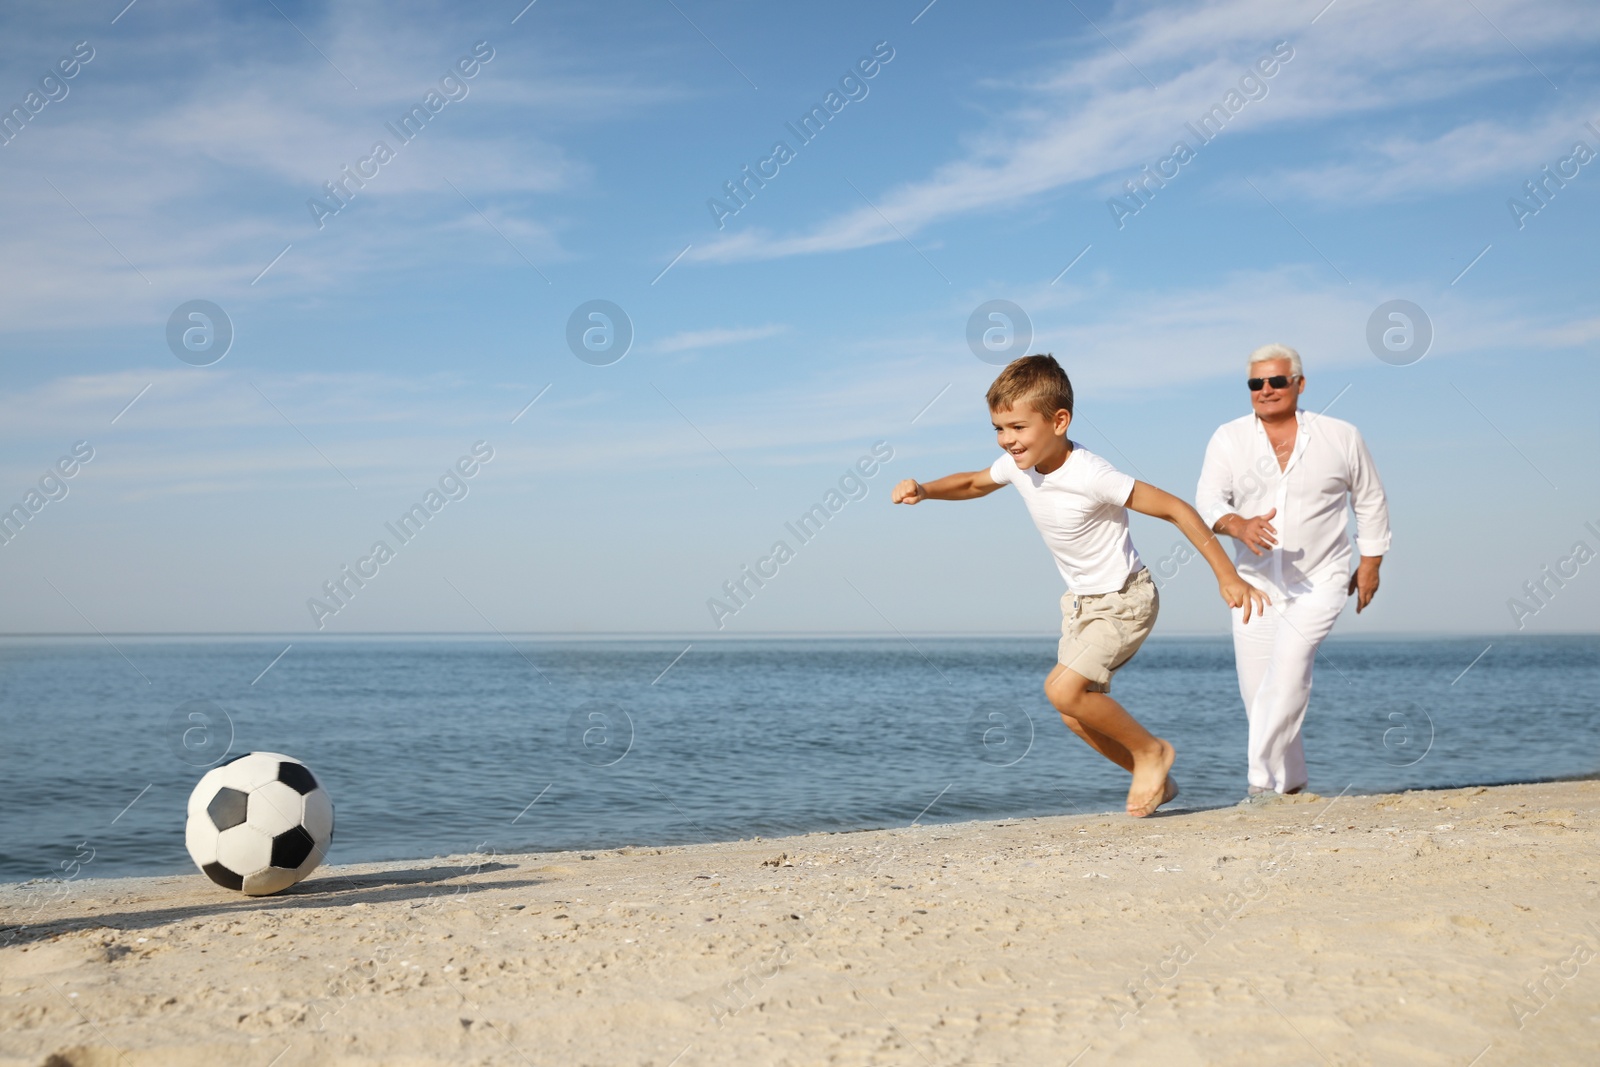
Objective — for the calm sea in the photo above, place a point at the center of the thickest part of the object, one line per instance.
(441, 746)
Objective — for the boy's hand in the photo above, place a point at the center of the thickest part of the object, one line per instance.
(909, 491)
(1240, 593)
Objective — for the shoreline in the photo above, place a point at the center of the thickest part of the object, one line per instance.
(327, 870)
(1420, 927)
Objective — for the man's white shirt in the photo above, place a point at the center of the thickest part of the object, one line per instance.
(1080, 511)
(1329, 468)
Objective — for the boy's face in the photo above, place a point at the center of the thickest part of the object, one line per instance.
(1032, 437)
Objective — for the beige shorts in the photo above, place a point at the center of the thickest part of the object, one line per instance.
(1100, 632)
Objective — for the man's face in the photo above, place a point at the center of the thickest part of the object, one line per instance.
(1270, 402)
(1029, 436)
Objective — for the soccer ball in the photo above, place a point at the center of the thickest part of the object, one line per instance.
(259, 823)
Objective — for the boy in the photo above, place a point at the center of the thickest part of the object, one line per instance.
(1079, 503)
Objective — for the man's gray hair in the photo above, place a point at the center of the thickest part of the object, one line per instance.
(1266, 352)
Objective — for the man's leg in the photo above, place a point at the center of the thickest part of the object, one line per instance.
(1285, 691)
(1252, 654)
(1149, 757)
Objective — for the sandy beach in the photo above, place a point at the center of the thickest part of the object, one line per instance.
(1455, 927)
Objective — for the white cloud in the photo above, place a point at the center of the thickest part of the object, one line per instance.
(1578, 333)
(1095, 115)
(716, 337)
(182, 164)
(1466, 155)
(382, 429)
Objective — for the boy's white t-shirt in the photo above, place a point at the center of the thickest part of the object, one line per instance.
(1080, 510)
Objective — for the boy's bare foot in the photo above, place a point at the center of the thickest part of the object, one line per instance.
(1170, 791)
(1150, 782)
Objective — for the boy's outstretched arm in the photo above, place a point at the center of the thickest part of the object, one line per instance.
(1146, 499)
(966, 486)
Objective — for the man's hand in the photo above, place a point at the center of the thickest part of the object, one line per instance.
(1240, 593)
(1364, 582)
(909, 491)
(1258, 534)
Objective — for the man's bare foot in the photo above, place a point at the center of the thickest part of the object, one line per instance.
(1170, 791)
(1150, 782)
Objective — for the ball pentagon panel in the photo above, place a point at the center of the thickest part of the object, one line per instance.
(222, 876)
(297, 776)
(292, 848)
(228, 808)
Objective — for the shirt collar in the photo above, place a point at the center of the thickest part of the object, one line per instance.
(1299, 418)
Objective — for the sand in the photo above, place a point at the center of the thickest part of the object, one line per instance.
(1455, 927)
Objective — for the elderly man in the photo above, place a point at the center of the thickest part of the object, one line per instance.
(1278, 481)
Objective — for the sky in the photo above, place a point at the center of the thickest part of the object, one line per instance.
(501, 169)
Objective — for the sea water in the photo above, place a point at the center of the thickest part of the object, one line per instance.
(442, 746)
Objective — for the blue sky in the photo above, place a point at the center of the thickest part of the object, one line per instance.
(828, 313)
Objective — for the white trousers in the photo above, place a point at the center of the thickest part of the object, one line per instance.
(1274, 653)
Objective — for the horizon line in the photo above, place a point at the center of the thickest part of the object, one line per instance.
(664, 635)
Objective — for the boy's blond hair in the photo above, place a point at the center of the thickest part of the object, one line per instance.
(1037, 381)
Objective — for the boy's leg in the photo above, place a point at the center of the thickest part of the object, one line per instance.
(1099, 633)
(1107, 746)
(1150, 757)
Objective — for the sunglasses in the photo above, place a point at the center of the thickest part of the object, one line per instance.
(1277, 381)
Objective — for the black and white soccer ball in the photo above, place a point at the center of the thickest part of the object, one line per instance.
(259, 823)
